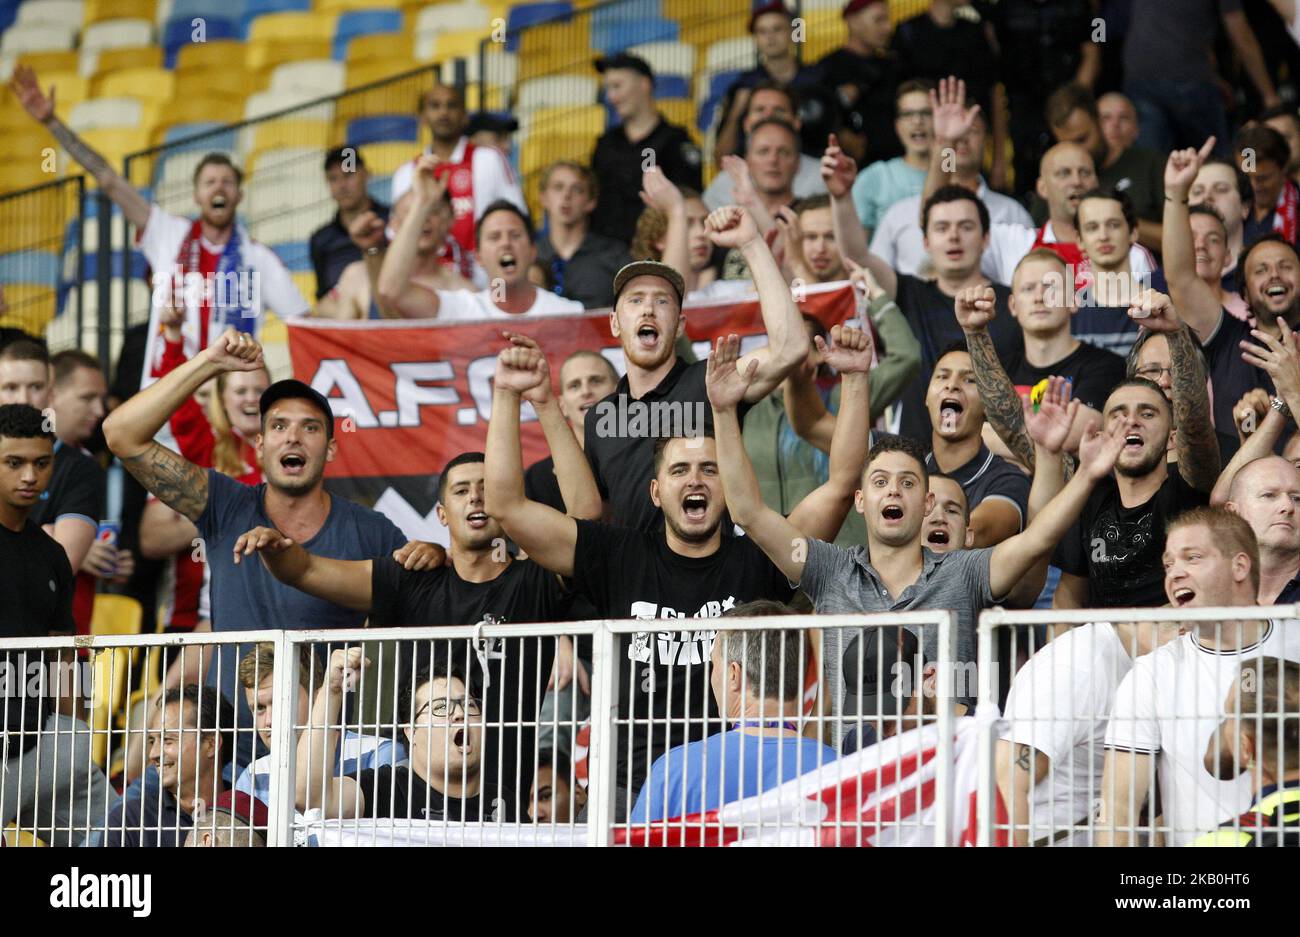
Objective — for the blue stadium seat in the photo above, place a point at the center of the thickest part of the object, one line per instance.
(8, 13)
(29, 267)
(296, 255)
(138, 264)
(672, 86)
(627, 11)
(383, 127)
(255, 8)
(208, 141)
(381, 189)
(363, 23)
(222, 9)
(528, 14)
(718, 86)
(178, 33)
(617, 36)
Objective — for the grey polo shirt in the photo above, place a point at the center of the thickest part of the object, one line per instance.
(840, 580)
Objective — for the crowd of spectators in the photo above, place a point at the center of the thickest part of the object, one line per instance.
(1069, 381)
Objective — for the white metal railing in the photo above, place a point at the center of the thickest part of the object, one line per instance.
(1112, 728)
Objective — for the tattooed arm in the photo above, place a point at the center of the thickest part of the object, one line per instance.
(130, 429)
(1019, 767)
(1002, 406)
(28, 92)
(1198, 446)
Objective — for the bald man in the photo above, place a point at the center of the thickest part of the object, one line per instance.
(1266, 494)
(1065, 173)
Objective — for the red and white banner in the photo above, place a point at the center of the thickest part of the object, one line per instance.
(411, 394)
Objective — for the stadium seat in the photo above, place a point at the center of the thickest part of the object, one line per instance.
(825, 32)
(116, 33)
(269, 102)
(612, 37)
(116, 614)
(38, 38)
(226, 85)
(202, 9)
(528, 14)
(667, 58)
(375, 47)
(153, 85)
(109, 668)
(283, 158)
(101, 113)
(358, 6)
(363, 23)
(382, 159)
(365, 73)
(383, 127)
(114, 143)
(15, 837)
(217, 54)
(294, 25)
(730, 55)
(54, 60)
(586, 118)
(99, 10)
(320, 76)
(305, 280)
(450, 44)
(449, 17)
(704, 34)
(556, 91)
(680, 111)
(256, 9)
(380, 188)
(107, 61)
(285, 132)
(541, 149)
(178, 33)
(502, 68)
(262, 56)
(49, 13)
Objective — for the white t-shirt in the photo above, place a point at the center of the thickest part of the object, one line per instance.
(899, 242)
(1169, 705)
(493, 178)
(469, 306)
(274, 289)
(1059, 704)
(1009, 242)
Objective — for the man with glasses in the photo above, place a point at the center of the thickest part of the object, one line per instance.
(581, 262)
(883, 183)
(443, 733)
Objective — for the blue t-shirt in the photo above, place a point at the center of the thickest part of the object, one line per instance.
(248, 598)
(146, 815)
(676, 785)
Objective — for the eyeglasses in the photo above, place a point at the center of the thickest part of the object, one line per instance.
(1152, 372)
(443, 707)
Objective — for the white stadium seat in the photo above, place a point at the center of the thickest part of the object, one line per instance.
(106, 113)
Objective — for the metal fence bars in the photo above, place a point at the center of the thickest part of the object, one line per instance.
(1171, 726)
(41, 255)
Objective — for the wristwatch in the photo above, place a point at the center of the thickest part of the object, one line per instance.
(1278, 404)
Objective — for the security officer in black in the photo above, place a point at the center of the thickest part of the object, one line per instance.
(644, 138)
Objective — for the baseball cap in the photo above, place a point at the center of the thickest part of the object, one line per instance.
(885, 679)
(649, 268)
(245, 806)
(492, 122)
(625, 60)
(292, 389)
(772, 6)
(854, 5)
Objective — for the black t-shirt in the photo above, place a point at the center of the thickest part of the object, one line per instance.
(1139, 173)
(1041, 43)
(633, 574)
(331, 249)
(988, 476)
(400, 792)
(1120, 550)
(516, 667)
(932, 315)
(621, 433)
(617, 163)
(541, 485)
(877, 78)
(1093, 374)
(36, 583)
(1230, 377)
(819, 106)
(931, 51)
(76, 488)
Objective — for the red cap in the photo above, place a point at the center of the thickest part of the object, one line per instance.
(854, 5)
(245, 806)
(772, 6)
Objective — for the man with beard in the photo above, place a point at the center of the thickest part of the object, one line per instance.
(240, 278)
(1111, 557)
(647, 320)
(1187, 239)
(506, 250)
(475, 176)
(685, 569)
(1167, 708)
(296, 441)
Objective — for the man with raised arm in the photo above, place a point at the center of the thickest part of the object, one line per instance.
(227, 278)
(296, 441)
(893, 570)
(647, 320)
(681, 568)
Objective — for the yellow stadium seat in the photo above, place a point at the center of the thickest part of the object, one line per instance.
(95, 11)
(114, 60)
(30, 305)
(213, 82)
(556, 44)
(339, 6)
(293, 26)
(382, 159)
(706, 33)
(115, 144)
(43, 62)
(364, 73)
(824, 32)
(70, 89)
(261, 57)
(682, 112)
(379, 47)
(588, 119)
(218, 54)
(116, 614)
(540, 150)
(109, 677)
(148, 84)
(453, 44)
(16, 837)
(305, 280)
(273, 134)
(196, 110)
